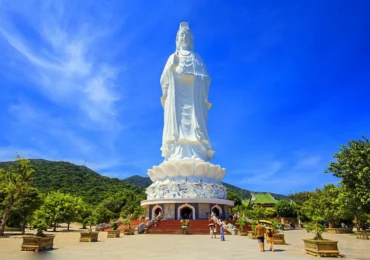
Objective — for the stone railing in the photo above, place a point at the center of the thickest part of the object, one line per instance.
(140, 228)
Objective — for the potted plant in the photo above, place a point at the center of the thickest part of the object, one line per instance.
(279, 238)
(129, 230)
(242, 222)
(89, 236)
(114, 233)
(40, 241)
(184, 226)
(317, 245)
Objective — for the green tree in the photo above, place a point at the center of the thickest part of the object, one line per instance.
(298, 199)
(52, 209)
(27, 205)
(232, 196)
(71, 210)
(327, 204)
(102, 215)
(85, 213)
(285, 208)
(352, 165)
(15, 181)
(270, 212)
(257, 213)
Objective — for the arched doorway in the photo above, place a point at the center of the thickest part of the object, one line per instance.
(156, 211)
(186, 211)
(217, 211)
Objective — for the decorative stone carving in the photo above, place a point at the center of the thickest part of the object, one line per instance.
(181, 188)
(169, 211)
(203, 210)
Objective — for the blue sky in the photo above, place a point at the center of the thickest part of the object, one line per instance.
(79, 80)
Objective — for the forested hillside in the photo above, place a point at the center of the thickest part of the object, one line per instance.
(78, 181)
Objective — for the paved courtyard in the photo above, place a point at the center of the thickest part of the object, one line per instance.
(68, 247)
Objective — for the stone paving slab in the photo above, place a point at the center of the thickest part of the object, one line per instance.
(176, 247)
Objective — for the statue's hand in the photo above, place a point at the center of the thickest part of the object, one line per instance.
(176, 60)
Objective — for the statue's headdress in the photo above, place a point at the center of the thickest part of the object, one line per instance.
(184, 27)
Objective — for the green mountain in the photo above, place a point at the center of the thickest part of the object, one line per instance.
(78, 180)
(142, 182)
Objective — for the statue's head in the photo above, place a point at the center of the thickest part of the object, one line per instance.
(184, 38)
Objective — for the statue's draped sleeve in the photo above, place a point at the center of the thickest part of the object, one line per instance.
(170, 131)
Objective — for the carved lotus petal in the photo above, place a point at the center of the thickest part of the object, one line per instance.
(221, 174)
(159, 172)
(212, 172)
(186, 169)
(201, 170)
(170, 169)
(152, 175)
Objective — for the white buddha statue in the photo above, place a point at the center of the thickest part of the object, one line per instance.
(185, 84)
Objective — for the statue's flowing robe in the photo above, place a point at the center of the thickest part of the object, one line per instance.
(185, 103)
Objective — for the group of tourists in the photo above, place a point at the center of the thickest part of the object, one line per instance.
(213, 229)
(260, 233)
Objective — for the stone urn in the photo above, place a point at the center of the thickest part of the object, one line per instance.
(37, 243)
(321, 248)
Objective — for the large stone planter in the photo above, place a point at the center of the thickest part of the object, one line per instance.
(279, 239)
(129, 231)
(37, 243)
(89, 236)
(321, 248)
(338, 230)
(113, 234)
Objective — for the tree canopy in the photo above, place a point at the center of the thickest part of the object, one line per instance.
(352, 165)
(15, 181)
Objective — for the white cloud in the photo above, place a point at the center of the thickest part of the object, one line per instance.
(64, 59)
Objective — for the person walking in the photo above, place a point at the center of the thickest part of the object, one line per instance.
(222, 230)
(270, 238)
(212, 230)
(259, 233)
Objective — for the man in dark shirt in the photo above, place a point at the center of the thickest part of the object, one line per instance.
(259, 232)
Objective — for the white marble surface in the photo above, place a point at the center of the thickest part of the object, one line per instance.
(185, 84)
(172, 189)
(195, 170)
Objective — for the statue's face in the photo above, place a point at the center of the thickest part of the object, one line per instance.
(184, 40)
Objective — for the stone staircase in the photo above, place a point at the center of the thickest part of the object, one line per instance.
(174, 227)
(196, 227)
